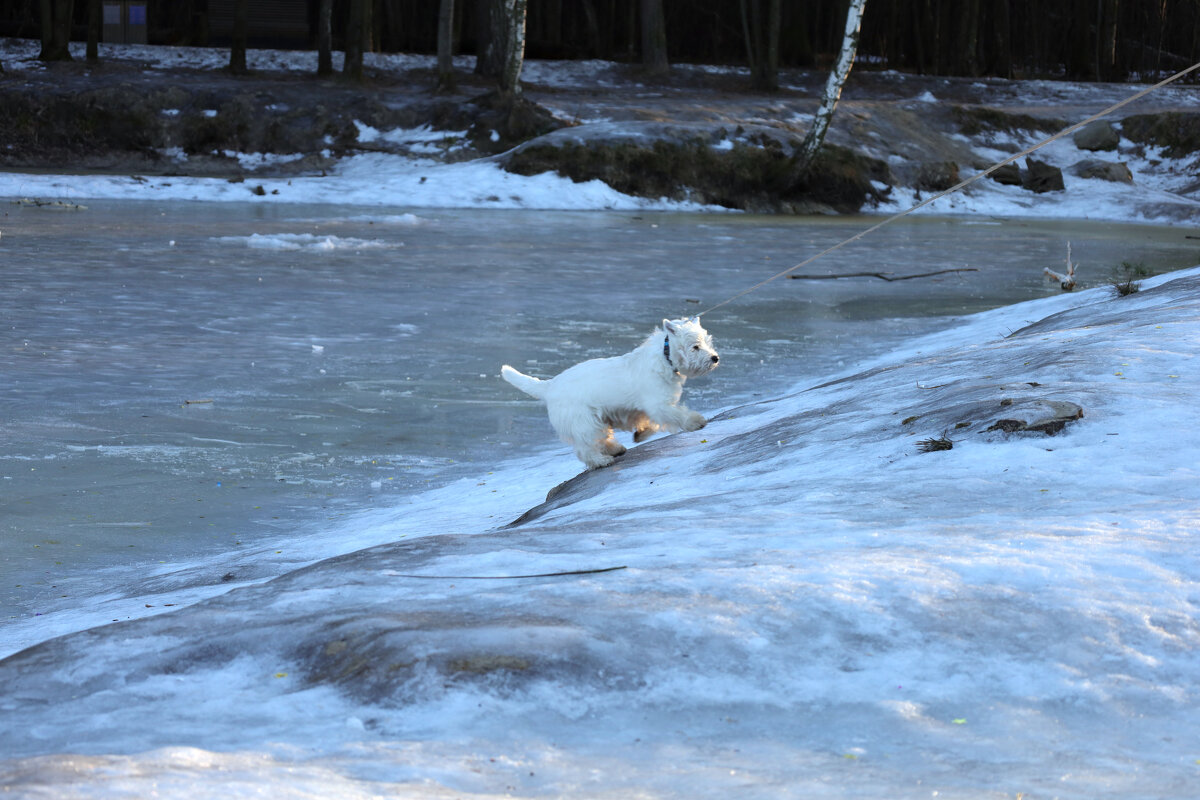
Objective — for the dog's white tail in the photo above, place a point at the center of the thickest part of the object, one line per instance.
(527, 384)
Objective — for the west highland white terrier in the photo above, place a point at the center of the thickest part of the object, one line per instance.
(638, 391)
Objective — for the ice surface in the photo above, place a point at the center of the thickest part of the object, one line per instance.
(809, 606)
(190, 414)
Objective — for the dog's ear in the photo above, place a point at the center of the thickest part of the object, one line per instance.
(668, 327)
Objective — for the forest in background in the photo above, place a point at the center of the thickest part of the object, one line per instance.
(1075, 39)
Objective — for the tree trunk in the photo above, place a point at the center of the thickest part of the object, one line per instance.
(198, 29)
(445, 47)
(1001, 64)
(514, 48)
(1106, 42)
(833, 86)
(368, 26)
(654, 38)
(493, 33)
(927, 33)
(237, 53)
(968, 39)
(93, 36)
(325, 39)
(353, 67)
(774, 24)
(762, 42)
(56, 30)
(552, 14)
(592, 23)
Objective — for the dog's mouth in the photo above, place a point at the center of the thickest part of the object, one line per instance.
(703, 366)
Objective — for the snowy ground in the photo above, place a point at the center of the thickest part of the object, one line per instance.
(1164, 190)
(801, 603)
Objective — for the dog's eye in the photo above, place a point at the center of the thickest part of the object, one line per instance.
(695, 347)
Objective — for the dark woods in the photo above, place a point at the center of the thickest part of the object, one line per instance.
(1078, 39)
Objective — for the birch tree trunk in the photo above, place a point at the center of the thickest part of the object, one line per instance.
(833, 86)
(325, 39)
(514, 48)
(445, 47)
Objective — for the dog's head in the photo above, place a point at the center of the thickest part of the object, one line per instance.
(690, 346)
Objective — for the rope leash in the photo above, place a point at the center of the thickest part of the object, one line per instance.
(956, 187)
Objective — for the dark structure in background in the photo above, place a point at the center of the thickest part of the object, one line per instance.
(1079, 39)
(124, 21)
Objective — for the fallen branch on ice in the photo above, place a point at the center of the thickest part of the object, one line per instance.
(508, 577)
(881, 275)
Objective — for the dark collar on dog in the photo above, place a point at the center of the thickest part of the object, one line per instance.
(667, 353)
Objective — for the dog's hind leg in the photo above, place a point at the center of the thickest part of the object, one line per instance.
(590, 436)
(643, 426)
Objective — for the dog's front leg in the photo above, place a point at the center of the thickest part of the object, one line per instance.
(677, 418)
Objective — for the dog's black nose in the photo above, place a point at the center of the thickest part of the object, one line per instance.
(716, 359)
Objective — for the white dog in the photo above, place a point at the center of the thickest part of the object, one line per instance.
(638, 391)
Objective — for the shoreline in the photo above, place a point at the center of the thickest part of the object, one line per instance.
(592, 135)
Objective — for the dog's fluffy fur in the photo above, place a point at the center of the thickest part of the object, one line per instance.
(638, 391)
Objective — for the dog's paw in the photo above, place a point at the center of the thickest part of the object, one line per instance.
(695, 422)
(596, 460)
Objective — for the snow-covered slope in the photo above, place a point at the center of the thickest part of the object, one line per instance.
(807, 605)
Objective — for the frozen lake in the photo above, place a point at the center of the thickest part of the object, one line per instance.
(284, 426)
(187, 381)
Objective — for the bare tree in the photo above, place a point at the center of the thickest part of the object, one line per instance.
(492, 33)
(833, 86)
(761, 27)
(1106, 42)
(353, 68)
(93, 34)
(325, 39)
(368, 26)
(56, 30)
(445, 47)
(654, 38)
(968, 38)
(237, 52)
(591, 20)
